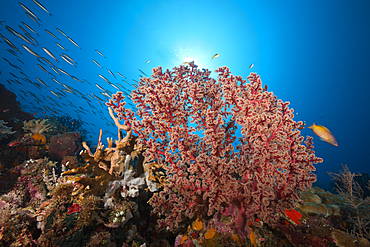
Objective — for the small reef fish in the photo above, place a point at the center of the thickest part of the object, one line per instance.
(65, 59)
(51, 34)
(69, 58)
(61, 46)
(62, 32)
(101, 54)
(50, 54)
(24, 30)
(324, 134)
(38, 59)
(56, 81)
(215, 56)
(47, 61)
(6, 110)
(32, 18)
(98, 86)
(11, 30)
(14, 144)
(62, 71)
(86, 81)
(41, 6)
(73, 42)
(110, 72)
(29, 28)
(126, 82)
(121, 75)
(41, 81)
(31, 38)
(251, 66)
(13, 75)
(97, 63)
(9, 43)
(76, 79)
(97, 97)
(105, 94)
(148, 61)
(24, 38)
(54, 93)
(31, 51)
(28, 10)
(111, 84)
(105, 79)
(143, 72)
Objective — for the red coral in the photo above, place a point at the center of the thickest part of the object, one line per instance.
(188, 123)
(74, 208)
(294, 215)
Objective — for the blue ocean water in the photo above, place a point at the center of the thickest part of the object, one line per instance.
(314, 54)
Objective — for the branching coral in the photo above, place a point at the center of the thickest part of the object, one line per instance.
(352, 192)
(97, 164)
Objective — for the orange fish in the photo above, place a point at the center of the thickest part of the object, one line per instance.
(324, 134)
(34, 113)
(14, 143)
(6, 110)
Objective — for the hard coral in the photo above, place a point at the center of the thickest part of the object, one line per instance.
(318, 201)
(98, 184)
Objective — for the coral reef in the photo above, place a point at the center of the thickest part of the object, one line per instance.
(178, 175)
(211, 174)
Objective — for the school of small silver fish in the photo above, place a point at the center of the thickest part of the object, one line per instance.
(56, 69)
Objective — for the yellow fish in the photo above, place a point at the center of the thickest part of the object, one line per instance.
(215, 56)
(324, 134)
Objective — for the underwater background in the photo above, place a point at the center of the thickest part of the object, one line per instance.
(314, 54)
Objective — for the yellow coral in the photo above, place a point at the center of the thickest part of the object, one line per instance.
(39, 137)
(252, 237)
(198, 224)
(184, 238)
(210, 233)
